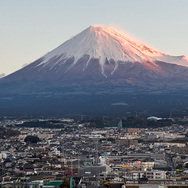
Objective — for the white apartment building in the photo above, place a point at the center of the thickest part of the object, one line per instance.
(151, 175)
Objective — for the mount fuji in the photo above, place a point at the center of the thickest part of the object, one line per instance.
(98, 70)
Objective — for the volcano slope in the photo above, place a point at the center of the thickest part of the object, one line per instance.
(101, 71)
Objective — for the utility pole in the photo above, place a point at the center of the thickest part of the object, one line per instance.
(78, 167)
(71, 175)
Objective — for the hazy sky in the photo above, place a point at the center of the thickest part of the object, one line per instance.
(31, 28)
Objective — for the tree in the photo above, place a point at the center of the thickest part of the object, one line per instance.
(32, 139)
(65, 183)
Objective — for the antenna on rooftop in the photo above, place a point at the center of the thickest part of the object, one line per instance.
(136, 114)
(170, 113)
(82, 117)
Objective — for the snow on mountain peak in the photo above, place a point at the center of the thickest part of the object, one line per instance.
(103, 42)
(100, 42)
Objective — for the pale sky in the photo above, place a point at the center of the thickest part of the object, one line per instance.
(31, 28)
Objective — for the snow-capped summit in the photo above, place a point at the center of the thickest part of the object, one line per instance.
(101, 51)
(105, 44)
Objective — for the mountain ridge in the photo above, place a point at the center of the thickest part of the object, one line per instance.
(95, 69)
(109, 47)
